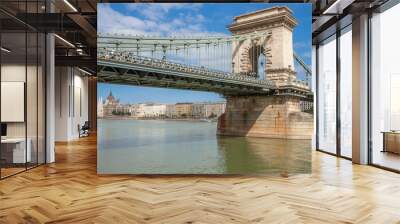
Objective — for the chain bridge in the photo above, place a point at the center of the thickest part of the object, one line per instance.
(253, 68)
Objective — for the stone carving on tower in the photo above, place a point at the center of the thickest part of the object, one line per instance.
(268, 32)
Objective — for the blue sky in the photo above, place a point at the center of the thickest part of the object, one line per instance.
(186, 19)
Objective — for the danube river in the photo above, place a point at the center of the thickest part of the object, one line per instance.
(185, 147)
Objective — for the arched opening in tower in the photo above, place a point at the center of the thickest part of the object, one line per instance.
(257, 61)
(261, 67)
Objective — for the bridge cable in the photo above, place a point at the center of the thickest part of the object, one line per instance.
(258, 58)
(220, 56)
(137, 47)
(223, 62)
(184, 53)
(228, 45)
(199, 56)
(225, 56)
(237, 56)
(170, 47)
(208, 55)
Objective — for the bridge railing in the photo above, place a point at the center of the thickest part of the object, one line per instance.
(128, 57)
(303, 84)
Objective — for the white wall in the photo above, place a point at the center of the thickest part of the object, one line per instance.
(80, 110)
(62, 82)
(71, 102)
(13, 72)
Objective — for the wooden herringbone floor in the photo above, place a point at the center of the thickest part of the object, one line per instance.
(69, 191)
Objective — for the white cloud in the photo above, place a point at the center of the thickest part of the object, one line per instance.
(158, 11)
(111, 21)
(154, 20)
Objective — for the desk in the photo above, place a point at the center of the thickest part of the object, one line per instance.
(391, 141)
(18, 149)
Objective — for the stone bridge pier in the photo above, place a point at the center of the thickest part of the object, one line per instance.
(265, 116)
(275, 115)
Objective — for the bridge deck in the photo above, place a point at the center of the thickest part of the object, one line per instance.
(133, 70)
(126, 68)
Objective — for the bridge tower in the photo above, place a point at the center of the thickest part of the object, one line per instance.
(274, 115)
(269, 33)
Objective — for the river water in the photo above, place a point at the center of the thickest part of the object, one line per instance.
(185, 147)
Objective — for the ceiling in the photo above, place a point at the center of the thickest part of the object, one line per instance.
(76, 22)
(331, 14)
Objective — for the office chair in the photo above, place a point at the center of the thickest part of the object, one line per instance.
(84, 130)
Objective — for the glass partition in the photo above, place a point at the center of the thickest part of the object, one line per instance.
(31, 98)
(385, 89)
(22, 101)
(346, 92)
(327, 95)
(13, 92)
